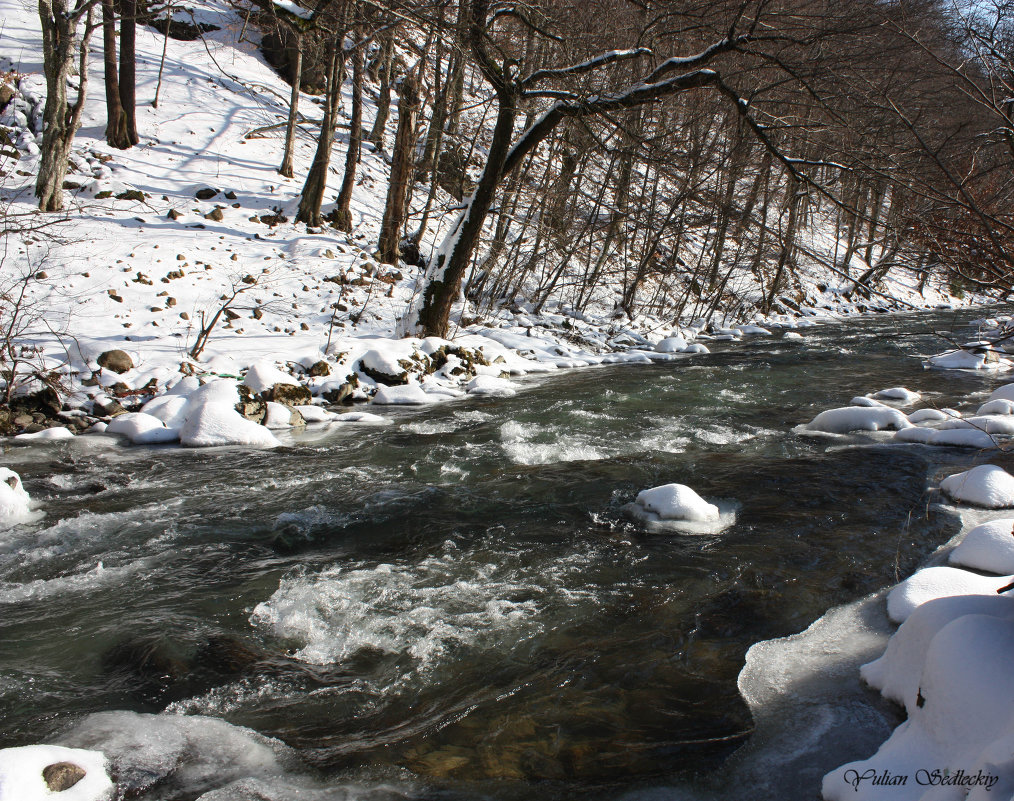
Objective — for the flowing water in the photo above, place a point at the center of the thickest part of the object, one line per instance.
(455, 605)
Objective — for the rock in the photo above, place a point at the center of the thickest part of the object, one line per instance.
(257, 313)
(205, 194)
(215, 215)
(289, 394)
(250, 406)
(116, 360)
(231, 314)
(112, 294)
(341, 395)
(107, 408)
(319, 369)
(45, 403)
(131, 194)
(173, 214)
(62, 776)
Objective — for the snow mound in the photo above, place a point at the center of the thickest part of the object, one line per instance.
(675, 344)
(956, 438)
(278, 416)
(792, 335)
(677, 507)
(928, 416)
(986, 485)
(958, 360)
(492, 386)
(697, 347)
(171, 408)
(990, 423)
(898, 671)
(216, 423)
(997, 406)
(408, 395)
(21, 776)
(906, 396)
(1006, 392)
(862, 400)
(14, 500)
(938, 582)
(958, 738)
(988, 547)
(857, 418)
(263, 375)
(219, 390)
(142, 429)
(315, 414)
(47, 434)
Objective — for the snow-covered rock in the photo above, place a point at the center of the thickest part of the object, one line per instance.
(677, 507)
(492, 386)
(862, 400)
(217, 423)
(142, 429)
(170, 408)
(857, 418)
(955, 438)
(997, 406)
(1006, 392)
(985, 485)
(988, 547)
(938, 582)
(792, 335)
(920, 416)
(14, 500)
(674, 344)
(262, 376)
(315, 414)
(963, 360)
(407, 395)
(21, 774)
(278, 416)
(903, 394)
(54, 433)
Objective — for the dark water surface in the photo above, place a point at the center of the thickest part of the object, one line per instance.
(456, 602)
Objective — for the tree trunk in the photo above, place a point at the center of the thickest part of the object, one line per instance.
(312, 198)
(128, 68)
(376, 135)
(286, 168)
(116, 121)
(397, 190)
(60, 120)
(342, 216)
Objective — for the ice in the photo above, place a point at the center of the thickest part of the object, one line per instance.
(47, 434)
(985, 485)
(407, 395)
(906, 396)
(263, 376)
(677, 507)
(938, 582)
(857, 418)
(217, 423)
(988, 547)
(898, 671)
(958, 438)
(14, 500)
(142, 429)
(21, 777)
(183, 755)
(491, 386)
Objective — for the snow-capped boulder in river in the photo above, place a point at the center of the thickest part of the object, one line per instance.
(14, 500)
(677, 507)
(217, 423)
(986, 485)
(857, 418)
(47, 772)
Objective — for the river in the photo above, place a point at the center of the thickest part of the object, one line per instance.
(455, 605)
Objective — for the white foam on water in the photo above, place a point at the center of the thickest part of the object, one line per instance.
(432, 427)
(88, 581)
(531, 445)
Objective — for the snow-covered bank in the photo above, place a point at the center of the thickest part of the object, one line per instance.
(948, 662)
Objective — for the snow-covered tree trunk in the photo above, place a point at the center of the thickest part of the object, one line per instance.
(61, 120)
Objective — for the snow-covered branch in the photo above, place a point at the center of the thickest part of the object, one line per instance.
(602, 60)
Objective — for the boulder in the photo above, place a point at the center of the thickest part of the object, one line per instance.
(289, 394)
(118, 361)
(62, 776)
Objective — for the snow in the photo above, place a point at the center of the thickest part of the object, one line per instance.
(262, 376)
(278, 416)
(997, 406)
(491, 386)
(1006, 392)
(958, 438)
(674, 344)
(966, 360)
(408, 395)
(292, 8)
(988, 547)
(792, 335)
(315, 414)
(985, 485)
(677, 507)
(903, 394)
(171, 409)
(14, 500)
(21, 776)
(217, 423)
(920, 416)
(142, 429)
(938, 582)
(862, 400)
(54, 433)
(856, 418)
